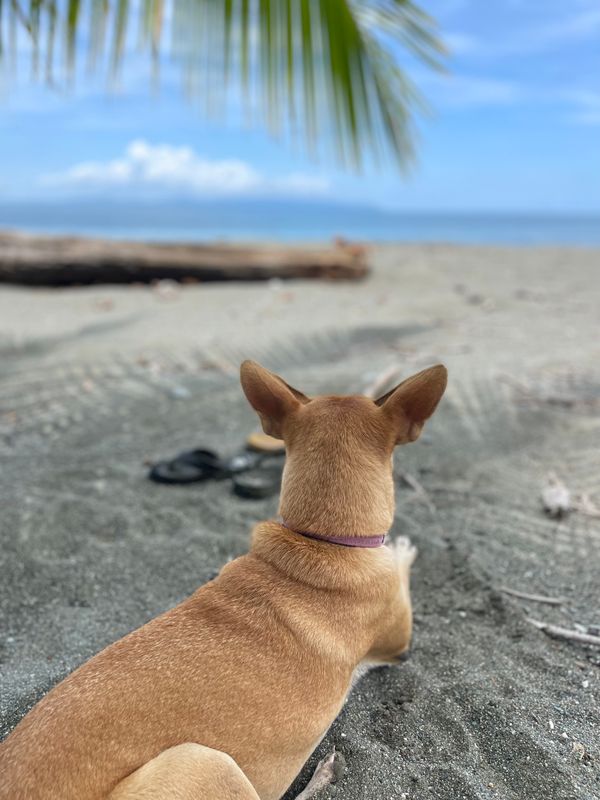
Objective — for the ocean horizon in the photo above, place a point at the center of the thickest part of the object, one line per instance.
(287, 221)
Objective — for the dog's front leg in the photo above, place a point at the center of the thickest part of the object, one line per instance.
(393, 640)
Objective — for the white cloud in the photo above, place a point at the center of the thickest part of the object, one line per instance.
(586, 106)
(180, 170)
(578, 26)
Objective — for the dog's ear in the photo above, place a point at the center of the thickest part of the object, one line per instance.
(412, 402)
(270, 396)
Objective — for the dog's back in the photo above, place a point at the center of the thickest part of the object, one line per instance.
(254, 664)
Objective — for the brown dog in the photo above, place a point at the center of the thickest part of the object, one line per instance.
(227, 695)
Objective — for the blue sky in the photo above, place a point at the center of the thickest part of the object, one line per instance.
(515, 127)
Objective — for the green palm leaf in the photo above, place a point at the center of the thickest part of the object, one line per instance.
(323, 68)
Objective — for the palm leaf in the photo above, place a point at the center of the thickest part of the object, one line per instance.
(339, 57)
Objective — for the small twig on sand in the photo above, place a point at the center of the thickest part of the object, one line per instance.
(565, 633)
(535, 598)
(329, 770)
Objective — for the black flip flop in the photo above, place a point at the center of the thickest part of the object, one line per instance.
(193, 466)
(190, 466)
(264, 480)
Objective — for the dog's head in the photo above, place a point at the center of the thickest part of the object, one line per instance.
(338, 472)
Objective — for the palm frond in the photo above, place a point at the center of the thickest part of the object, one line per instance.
(328, 68)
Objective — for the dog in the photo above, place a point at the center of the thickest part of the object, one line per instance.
(227, 695)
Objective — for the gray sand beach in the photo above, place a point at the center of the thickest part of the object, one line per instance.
(97, 382)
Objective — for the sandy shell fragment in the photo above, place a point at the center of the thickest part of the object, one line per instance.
(556, 498)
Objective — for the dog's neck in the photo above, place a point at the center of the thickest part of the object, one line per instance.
(320, 565)
(351, 499)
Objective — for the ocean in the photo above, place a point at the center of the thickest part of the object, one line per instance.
(286, 221)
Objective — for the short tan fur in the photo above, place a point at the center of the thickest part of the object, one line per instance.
(226, 695)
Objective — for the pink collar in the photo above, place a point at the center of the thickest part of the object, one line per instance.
(345, 541)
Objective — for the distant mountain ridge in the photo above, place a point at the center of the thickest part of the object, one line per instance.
(286, 220)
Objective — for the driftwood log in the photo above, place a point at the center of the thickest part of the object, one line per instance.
(68, 261)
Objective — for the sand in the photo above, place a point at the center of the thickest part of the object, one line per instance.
(93, 382)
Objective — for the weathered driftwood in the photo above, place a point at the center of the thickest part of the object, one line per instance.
(329, 770)
(66, 261)
(565, 633)
(534, 598)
